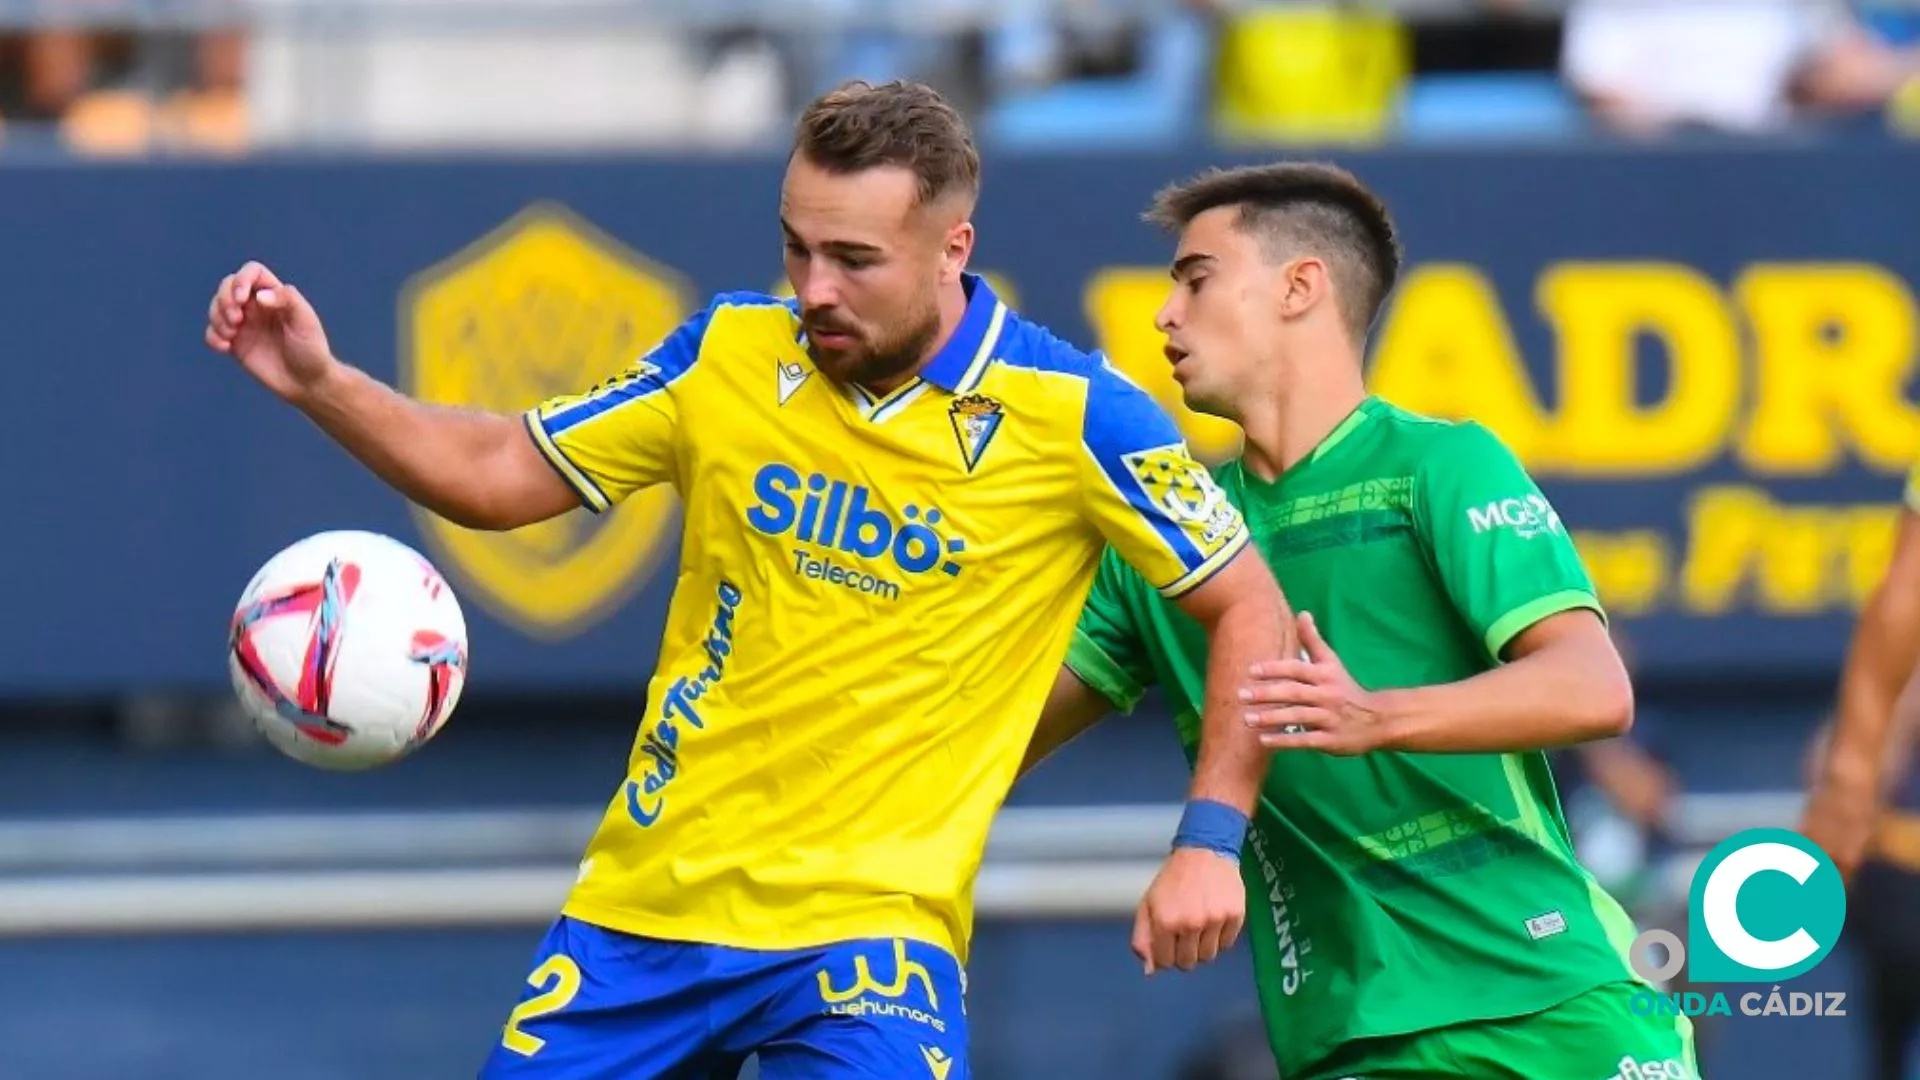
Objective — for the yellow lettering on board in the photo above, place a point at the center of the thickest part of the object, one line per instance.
(1724, 529)
(1598, 312)
(1630, 569)
(1796, 560)
(1833, 350)
(1445, 350)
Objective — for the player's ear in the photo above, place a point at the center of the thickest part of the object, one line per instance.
(1303, 283)
(958, 250)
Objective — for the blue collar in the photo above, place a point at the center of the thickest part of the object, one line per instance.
(962, 361)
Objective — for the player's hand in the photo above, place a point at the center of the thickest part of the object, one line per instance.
(1192, 912)
(1841, 825)
(1312, 704)
(271, 330)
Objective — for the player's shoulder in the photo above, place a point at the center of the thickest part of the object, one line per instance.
(755, 309)
(1071, 380)
(1426, 434)
(752, 319)
(1035, 347)
(1025, 345)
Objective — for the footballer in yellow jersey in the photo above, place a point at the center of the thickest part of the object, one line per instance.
(896, 494)
(848, 663)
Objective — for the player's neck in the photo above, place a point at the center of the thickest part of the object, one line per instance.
(1286, 426)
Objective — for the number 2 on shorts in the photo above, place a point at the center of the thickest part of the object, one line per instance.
(564, 975)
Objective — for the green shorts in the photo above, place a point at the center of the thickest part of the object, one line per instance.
(1595, 1036)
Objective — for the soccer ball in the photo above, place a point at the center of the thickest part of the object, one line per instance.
(348, 650)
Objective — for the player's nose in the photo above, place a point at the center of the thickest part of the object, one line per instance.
(817, 291)
(1168, 318)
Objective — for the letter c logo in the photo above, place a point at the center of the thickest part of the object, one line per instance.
(1766, 905)
(1722, 912)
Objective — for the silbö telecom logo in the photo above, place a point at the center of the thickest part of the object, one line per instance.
(1766, 905)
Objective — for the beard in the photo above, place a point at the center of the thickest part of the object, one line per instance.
(876, 360)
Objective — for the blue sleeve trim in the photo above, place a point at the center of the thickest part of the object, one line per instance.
(1207, 572)
(576, 478)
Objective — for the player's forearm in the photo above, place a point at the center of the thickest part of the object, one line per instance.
(1561, 695)
(1232, 764)
(1869, 686)
(1852, 766)
(1633, 780)
(438, 457)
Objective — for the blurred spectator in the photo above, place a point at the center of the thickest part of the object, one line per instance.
(1620, 795)
(208, 110)
(1499, 36)
(123, 90)
(59, 69)
(1618, 812)
(1291, 71)
(1650, 66)
(1040, 44)
(745, 83)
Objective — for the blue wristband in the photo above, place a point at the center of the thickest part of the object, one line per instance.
(1215, 826)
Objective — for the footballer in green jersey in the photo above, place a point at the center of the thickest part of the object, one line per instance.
(1415, 908)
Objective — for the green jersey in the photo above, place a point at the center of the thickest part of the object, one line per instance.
(1401, 892)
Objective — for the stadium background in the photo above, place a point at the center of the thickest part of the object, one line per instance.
(1701, 342)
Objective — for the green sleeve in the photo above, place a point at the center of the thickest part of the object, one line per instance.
(1108, 652)
(1502, 553)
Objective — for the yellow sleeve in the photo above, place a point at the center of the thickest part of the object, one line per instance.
(619, 436)
(1156, 504)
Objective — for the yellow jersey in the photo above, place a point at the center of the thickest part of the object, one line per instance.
(874, 596)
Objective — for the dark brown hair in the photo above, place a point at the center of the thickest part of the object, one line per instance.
(1297, 208)
(861, 126)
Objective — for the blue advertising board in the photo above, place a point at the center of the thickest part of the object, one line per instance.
(1705, 356)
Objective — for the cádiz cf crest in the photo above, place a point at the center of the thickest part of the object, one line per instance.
(975, 418)
(544, 305)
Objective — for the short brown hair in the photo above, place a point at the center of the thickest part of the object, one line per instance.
(1294, 208)
(860, 126)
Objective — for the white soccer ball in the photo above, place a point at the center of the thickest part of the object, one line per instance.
(348, 650)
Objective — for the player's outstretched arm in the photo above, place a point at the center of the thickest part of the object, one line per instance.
(1072, 708)
(1563, 684)
(1196, 907)
(475, 469)
(1247, 622)
(1168, 517)
(1846, 790)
